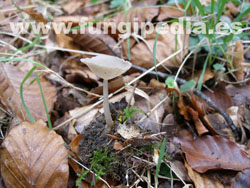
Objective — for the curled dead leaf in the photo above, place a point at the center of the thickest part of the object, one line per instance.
(214, 152)
(10, 80)
(200, 128)
(34, 156)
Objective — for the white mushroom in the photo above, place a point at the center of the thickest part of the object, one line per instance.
(107, 67)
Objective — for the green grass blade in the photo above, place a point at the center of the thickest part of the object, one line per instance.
(202, 74)
(36, 40)
(222, 4)
(38, 81)
(161, 155)
(200, 7)
(21, 94)
(241, 15)
(44, 101)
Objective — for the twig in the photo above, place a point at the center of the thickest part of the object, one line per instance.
(199, 94)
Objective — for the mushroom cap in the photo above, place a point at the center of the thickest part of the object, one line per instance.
(107, 67)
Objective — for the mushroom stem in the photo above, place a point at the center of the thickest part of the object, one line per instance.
(107, 114)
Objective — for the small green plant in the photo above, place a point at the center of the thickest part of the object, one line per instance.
(99, 164)
(81, 177)
(129, 112)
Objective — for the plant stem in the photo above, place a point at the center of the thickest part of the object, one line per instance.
(107, 114)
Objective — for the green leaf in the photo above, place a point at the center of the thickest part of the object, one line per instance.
(221, 5)
(116, 3)
(169, 82)
(193, 42)
(188, 86)
(218, 66)
(173, 2)
(244, 12)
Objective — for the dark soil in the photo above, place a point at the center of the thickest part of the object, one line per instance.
(93, 139)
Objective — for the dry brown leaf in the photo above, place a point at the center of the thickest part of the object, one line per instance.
(141, 12)
(75, 148)
(214, 152)
(240, 95)
(34, 156)
(142, 54)
(99, 42)
(169, 12)
(113, 86)
(10, 80)
(182, 108)
(232, 10)
(238, 57)
(200, 128)
(65, 41)
(155, 84)
(220, 97)
(242, 179)
(153, 121)
(217, 126)
(203, 181)
(38, 17)
(72, 5)
(181, 105)
(207, 75)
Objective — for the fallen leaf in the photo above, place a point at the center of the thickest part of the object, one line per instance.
(10, 80)
(217, 126)
(181, 105)
(238, 57)
(96, 42)
(242, 179)
(114, 85)
(231, 9)
(72, 5)
(169, 12)
(220, 97)
(198, 106)
(207, 75)
(85, 119)
(200, 128)
(142, 52)
(203, 181)
(34, 156)
(156, 84)
(141, 12)
(153, 121)
(65, 41)
(214, 152)
(240, 95)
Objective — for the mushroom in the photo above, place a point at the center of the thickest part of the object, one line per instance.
(107, 67)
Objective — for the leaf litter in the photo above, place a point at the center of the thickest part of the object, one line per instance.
(200, 109)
